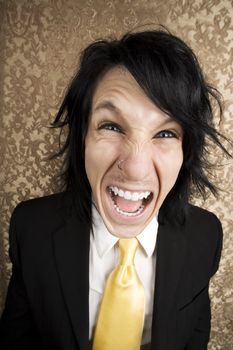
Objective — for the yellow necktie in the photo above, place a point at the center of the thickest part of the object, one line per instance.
(121, 317)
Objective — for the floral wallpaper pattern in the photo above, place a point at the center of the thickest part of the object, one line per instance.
(40, 41)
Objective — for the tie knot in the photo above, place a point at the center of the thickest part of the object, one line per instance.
(127, 247)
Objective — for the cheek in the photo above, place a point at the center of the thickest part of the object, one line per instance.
(174, 169)
(169, 169)
(90, 161)
(99, 158)
(92, 166)
(176, 161)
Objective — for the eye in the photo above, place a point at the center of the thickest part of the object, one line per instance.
(111, 127)
(166, 134)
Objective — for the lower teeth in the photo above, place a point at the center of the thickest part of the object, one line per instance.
(135, 213)
(140, 209)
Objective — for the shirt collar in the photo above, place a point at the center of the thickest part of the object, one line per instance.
(105, 241)
(148, 236)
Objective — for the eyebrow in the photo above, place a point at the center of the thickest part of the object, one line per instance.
(108, 105)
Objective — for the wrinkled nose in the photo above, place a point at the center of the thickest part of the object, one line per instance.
(136, 164)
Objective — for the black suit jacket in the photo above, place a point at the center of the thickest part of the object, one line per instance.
(47, 300)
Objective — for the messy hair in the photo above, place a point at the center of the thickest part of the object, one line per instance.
(169, 73)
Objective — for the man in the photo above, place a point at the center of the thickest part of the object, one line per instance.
(138, 114)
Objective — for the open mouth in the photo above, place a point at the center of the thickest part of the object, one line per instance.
(129, 203)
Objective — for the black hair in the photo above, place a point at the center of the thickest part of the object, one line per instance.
(170, 75)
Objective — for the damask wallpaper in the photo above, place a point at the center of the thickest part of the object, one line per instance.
(39, 45)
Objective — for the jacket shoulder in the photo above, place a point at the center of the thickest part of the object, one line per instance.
(45, 202)
(204, 219)
(195, 212)
(43, 205)
(41, 213)
(204, 232)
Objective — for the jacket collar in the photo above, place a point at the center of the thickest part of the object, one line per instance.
(171, 249)
(71, 244)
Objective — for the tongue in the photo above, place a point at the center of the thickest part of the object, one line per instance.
(125, 205)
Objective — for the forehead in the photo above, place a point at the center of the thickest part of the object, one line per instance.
(114, 81)
(118, 93)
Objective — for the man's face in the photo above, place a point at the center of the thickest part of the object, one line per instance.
(133, 154)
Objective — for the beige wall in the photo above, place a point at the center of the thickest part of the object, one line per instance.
(39, 42)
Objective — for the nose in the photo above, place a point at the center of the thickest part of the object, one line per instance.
(137, 163)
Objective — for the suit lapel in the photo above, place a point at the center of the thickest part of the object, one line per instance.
(171, 248)
(71, 243)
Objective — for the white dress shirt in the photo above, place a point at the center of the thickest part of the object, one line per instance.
(103, 259)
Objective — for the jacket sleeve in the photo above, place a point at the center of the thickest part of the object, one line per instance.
(17, 329)
(201, 333)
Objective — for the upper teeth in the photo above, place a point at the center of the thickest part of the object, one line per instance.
(130, 196)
